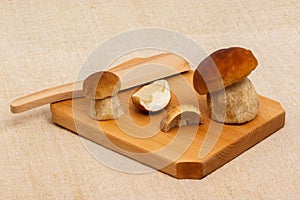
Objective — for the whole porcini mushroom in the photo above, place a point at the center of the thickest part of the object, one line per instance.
(226, 70)
(102, 89)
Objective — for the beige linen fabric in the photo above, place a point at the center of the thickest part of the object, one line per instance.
(43, 44)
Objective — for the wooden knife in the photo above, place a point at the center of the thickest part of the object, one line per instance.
(132, 73)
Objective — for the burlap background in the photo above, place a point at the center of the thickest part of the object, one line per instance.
(43, 44)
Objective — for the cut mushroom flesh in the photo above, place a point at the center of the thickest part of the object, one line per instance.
(153, 97)
(181, 116)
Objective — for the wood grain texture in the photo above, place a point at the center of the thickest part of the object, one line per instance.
(158, 69)
(126, 138)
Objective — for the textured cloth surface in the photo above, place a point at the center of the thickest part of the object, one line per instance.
(44, 43)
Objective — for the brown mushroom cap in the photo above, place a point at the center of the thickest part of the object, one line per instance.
(101, 85)
(223, 68)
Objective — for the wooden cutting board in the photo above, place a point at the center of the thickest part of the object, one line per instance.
(188, 152)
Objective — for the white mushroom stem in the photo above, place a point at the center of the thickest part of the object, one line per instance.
(181, 116)
(105, 109)
(240, 103)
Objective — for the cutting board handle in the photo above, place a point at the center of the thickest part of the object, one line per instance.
(68, 91)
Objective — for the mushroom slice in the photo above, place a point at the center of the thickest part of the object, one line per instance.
(181, 116)
(105, 109)
(153, 97)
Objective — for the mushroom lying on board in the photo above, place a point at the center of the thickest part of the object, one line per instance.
(152, 97)
(102, 89)
(181, 116)
(228, 68)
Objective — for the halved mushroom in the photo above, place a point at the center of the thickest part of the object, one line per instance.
(153, 97)
(181, 116)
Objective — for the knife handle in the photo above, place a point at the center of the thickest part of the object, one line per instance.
(143, 75)
(54, 94)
